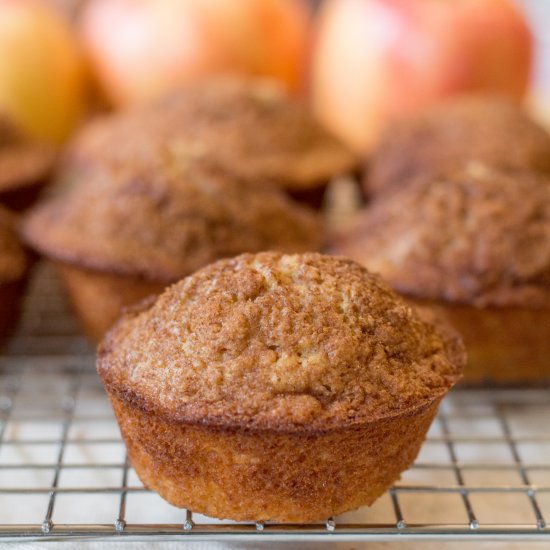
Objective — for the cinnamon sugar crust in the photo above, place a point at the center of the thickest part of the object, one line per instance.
(477, 236)
(279, 342)
(247, 127)
(484, 129)
(164, 219)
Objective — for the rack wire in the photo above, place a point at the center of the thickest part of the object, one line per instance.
(484, 471)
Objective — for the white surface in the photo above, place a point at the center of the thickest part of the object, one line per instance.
(75, 545)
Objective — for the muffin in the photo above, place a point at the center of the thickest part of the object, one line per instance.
(276, 387)
(475, 245)
(127, 233)
(483, 129)
(248, 128)
(14, 266)
(24, 167)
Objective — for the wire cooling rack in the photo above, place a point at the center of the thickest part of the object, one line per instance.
(484, 471)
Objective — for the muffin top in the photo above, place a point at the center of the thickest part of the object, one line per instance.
(165, 220)
(485, 129)
(22, 162)
(13, 259)
(279, 342)
(476, 236)
(249, 128)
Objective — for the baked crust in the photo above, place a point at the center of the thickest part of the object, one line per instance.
(276, 387)
(482, 129)
(478, 236)
(163, 219)
(280, 342)
(246, 127)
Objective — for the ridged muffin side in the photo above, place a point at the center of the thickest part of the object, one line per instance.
(25, 167)
(276, 387)
(14, 267)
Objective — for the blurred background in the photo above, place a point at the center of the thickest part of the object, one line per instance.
(357, 63)
(537, 13)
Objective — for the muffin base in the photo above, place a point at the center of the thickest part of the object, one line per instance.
(21, 198)
(11, 295)
(506, 345)
(98, 298)
(314, 197)
(254, 475)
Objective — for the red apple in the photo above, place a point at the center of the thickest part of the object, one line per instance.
(141, 49)
(42, 75)
(379, 59)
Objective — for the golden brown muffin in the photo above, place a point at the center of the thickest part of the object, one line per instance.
(249, 128)
(476, 245)
(483, 129)
(276, 387)
(24, 167)
(124, 234)
(14, 266)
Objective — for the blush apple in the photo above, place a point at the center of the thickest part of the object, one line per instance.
(378, 59)
(141, 49)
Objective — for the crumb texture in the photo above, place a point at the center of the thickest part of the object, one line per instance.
(13, 259)
(279, 341)
(476, 236)
(250, 128)
(468, 129)
(164, 219)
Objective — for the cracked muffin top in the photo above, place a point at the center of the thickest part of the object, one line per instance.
(483, 129)
(479, 236)
(246, 127)
(165, 220)
(22, 162)
(279, 342)
(13, 259)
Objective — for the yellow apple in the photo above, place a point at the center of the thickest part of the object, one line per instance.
(42, 76)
